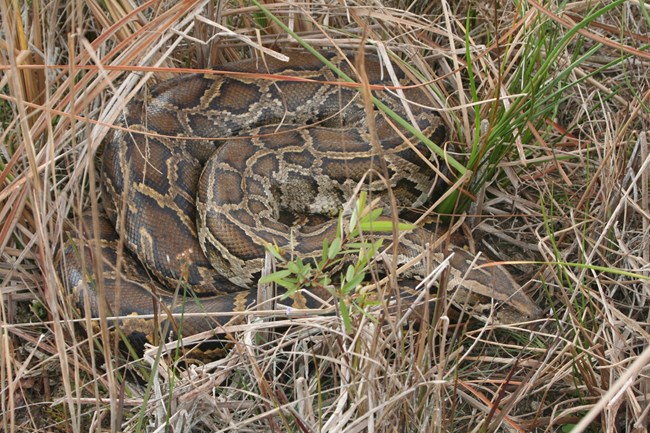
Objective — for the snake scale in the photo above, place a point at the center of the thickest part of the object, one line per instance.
(209, 168)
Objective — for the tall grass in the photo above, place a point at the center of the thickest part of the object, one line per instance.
(547, 107)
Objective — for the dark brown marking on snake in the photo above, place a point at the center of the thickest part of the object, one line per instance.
(264, 165)
(301, 158)
(236, 97)
(181, 93)
(228, 190)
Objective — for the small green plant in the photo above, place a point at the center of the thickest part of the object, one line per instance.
(349, 254)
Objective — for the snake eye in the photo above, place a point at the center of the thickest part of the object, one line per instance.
(496, 305)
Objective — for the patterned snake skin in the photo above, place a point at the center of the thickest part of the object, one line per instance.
(210, 168)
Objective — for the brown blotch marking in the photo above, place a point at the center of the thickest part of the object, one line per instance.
(265, 165)
(235, 153)
(269, 225)
(163, 122)
(302, 158)
(294, 94)
(256, 188)
(236, 96)
(347, 169)
(221, 188)
(186, 176)
(407, 192)
(198, 151)
(236, 241)
(407, 153)
(276, 140)
(343, 140)
(164, 246)
(257, 207)
(144, 155)
(181, 92)
(192, 92)
(204, 125)
(311, 243)
(243, 217)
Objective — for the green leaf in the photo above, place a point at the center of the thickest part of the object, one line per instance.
(345, 315)
(306, 270)
(335, 248)
(275, 277)
(353, 283)
(383, 226)
(326, 247)
(354, 217)
(295, 266)
(349, 274)
(362, 200)
(374, 214)
(291, 285)
(275, 251)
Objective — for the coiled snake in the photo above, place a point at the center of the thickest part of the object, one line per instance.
(262, 167)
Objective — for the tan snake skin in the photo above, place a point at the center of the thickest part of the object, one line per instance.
(262, 168)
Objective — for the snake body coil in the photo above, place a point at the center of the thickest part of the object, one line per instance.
(268, 150)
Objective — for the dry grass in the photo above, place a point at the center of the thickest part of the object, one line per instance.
(561, 154)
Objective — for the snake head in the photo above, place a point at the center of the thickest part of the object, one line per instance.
(488, 291)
